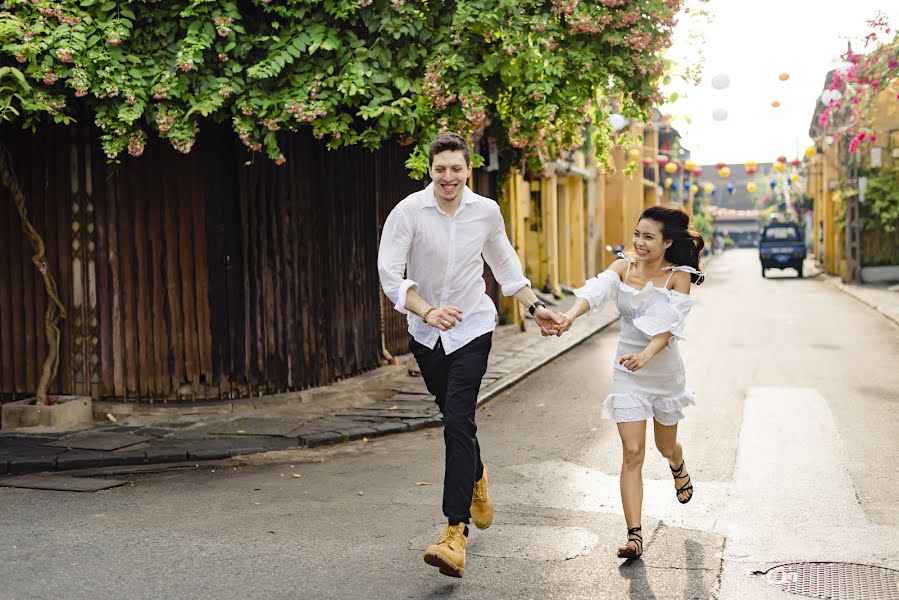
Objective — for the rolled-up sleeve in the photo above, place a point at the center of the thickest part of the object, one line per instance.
(503, 261)
(393, 252)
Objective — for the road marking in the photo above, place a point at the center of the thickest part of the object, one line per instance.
(793, 497)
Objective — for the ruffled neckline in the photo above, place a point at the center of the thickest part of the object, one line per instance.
(649, 284)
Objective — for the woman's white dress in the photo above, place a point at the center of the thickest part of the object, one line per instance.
(657, 390)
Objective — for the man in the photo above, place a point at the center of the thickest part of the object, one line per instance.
(430, 264)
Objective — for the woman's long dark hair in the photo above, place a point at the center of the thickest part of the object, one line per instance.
(686, 244)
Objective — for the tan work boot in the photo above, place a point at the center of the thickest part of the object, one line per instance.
(481, 506)
(448, 552)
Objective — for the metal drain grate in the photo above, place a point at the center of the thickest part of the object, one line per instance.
(835, 581)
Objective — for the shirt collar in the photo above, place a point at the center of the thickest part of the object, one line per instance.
(429, 199)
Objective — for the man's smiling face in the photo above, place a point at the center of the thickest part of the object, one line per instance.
(449, 171)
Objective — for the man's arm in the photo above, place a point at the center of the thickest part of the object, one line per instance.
(393, 253)
(506, 268)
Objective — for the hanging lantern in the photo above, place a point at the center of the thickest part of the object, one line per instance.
(829, 97)
(719, 114)
(675, 187)
(751, 187)
(671, 168)
(697, 171)
(794, 177)
(773, 183)
(811, 151)
(662, 159)
(689, 165)
(781, 159)
(775, 104)
(694, 188)
(667, 183)
(720, 165)
(708, 188)
(633, 154)
(617, 121)
(751, 171)
(795, 162)
(648, 161)
(751, 165)
(724, 172)
(778, 166)
(783, 76)
(720, 81)
(730, 189)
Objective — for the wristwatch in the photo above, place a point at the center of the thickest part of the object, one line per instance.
(533, 307)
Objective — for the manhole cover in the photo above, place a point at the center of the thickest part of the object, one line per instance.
(835, 581)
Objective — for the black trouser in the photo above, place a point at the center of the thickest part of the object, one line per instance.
(455, 380)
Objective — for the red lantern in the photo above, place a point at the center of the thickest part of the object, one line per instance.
(697, 171)
(750, 171)
(795, 162)
(720, 165)
(647, 161)
(782, 159)
(662, 159)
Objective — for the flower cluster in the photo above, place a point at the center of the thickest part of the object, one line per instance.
(857, 82)
(393, 70)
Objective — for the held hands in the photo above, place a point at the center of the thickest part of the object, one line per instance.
(444, 318)
(634, 362)
(551, 323)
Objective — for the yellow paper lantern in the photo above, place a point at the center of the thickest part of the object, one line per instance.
(811, 151)
(708, 188)
(670, 167)
(689, 165)
(751, 164)
(633, 154)
(778, 166)
(794, 177)
(667, 183)
(751, 187)
(694, 188)
(724, 172)
(783, 76)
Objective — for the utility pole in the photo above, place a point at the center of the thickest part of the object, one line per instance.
(852, 218)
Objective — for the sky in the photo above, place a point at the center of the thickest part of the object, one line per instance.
(753, 43)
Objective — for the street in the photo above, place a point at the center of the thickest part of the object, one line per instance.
(791, 446)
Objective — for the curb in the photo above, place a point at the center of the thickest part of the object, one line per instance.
(507, 382)
(36, 458)
(835, 282)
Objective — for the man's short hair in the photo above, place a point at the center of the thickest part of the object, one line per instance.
(447, 140)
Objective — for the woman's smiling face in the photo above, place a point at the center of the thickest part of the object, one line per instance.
(649, 244)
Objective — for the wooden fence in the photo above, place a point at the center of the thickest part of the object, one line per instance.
(198, 276)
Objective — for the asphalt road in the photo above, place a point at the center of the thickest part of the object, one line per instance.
(792, 448)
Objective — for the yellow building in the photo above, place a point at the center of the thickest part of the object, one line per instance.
(562, 224)
(829, 181)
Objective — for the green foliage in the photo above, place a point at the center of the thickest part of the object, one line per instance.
(702, 222)
(530, 73)
(881, 207)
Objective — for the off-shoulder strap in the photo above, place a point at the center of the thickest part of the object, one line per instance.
(630, 261)
(685, 269)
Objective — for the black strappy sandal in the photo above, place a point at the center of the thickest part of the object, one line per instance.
(633, 535)
(687, 487)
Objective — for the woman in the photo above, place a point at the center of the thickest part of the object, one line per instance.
(652, 289)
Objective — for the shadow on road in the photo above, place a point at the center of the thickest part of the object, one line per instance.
(638, 585)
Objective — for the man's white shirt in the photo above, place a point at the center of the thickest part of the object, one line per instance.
(423, 247)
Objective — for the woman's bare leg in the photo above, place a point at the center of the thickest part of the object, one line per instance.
(633, 445)
(666, 442)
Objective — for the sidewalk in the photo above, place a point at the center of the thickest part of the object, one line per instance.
(390, 399)
(883, 298)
